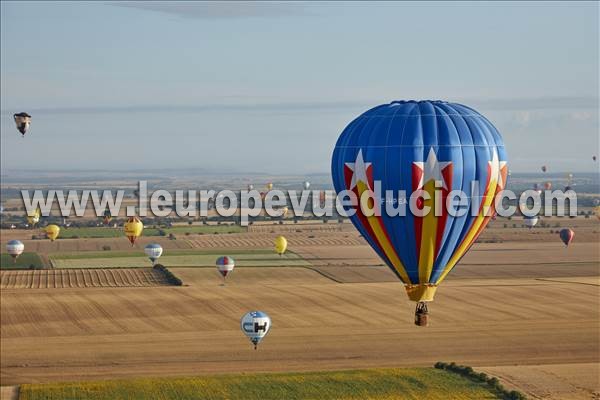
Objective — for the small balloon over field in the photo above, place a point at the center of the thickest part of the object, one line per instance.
(15, 248)
(306, 185)
(280, 245)
(153, 251)
(530, 222)
(34, 217)
(107, 217)
(567, 235)
(52, 232)
(133, 229)
(225, 265)
(255, 325)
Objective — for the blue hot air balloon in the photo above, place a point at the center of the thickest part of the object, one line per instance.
(412, 146)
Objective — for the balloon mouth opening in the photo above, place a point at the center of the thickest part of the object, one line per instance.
(422, 292)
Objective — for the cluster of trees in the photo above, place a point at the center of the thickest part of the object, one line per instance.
(171, 278)
(481, 377)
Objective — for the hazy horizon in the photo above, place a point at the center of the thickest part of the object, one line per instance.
(266, 88)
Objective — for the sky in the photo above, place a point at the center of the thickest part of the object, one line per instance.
(268, 87)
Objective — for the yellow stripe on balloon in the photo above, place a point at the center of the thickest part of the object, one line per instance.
(383, 240)
(428, 235)
(471, 235)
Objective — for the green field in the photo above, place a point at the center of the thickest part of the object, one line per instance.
(388, 384)
(176, 258)
(104, 232)
(23, 261)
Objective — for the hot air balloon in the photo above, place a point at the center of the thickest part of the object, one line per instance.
(269, 186)
(153, 251)
(284, 211)
(106, 217)
(52, 232)
(569, 185)
(22, 120)
(15, 248)
(597, 211)
(34, 218)
(225, 265)
(544, 168)
(530, 222)
(250, 187)
(594, 158)
(548, 185)
(133, 229)
(306, 185)
(280, 245)
(255, 325)
(566, 235)
(408, 146)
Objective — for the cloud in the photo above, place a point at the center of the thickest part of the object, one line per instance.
(219, 10)
(536, 103)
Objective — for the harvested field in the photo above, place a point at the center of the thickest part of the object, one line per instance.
(266, 240)
(260, 258)
(81, 278)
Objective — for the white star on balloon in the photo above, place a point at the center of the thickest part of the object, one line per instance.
(496, 169)
(432, 169)
(359, 171)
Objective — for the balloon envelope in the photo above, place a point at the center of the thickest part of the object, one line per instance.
(52, 232)
(153, 251)
(530, 222)
(255, 325)
(15, 248)
(566, 235)
(34, 217)
(133, 229)
(408, 146)
(225, 265)
(23, 121)
(306, 185)
(280, 245)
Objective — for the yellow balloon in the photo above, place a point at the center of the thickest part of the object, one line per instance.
(280, 245)
(34, 218)
(52, 232)
(285, 212)
(133, 229)
(269, 186)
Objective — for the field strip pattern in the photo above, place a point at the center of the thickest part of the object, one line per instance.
(223, 241)
(81, 278)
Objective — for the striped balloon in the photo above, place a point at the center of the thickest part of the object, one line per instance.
(15, 248)
(153, 251)
(225, 265)
(420, 147)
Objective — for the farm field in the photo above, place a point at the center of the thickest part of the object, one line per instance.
(388, 384)
(81, 278)
(342, 310)
(184, 258)
(25, 260)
